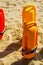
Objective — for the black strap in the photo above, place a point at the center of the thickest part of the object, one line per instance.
(1, 33)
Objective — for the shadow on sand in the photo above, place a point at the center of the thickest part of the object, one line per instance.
(38, 56)
(22, 62)
(12, 47)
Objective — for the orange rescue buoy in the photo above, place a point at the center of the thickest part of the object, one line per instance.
(30, 32)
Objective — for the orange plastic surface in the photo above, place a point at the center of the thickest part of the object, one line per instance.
(30, 30)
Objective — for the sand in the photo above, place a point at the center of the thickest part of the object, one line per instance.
(10, 44)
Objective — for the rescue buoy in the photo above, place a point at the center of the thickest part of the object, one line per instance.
(2, 24)
(30, 32)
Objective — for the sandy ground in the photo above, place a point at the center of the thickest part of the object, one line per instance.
(10, 45)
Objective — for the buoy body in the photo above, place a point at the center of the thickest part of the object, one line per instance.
(2, 24)
(30, 32)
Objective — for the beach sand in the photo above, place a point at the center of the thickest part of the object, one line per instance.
(10, 44)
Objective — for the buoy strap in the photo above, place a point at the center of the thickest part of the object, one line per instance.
(29, 52)
(2, 32)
